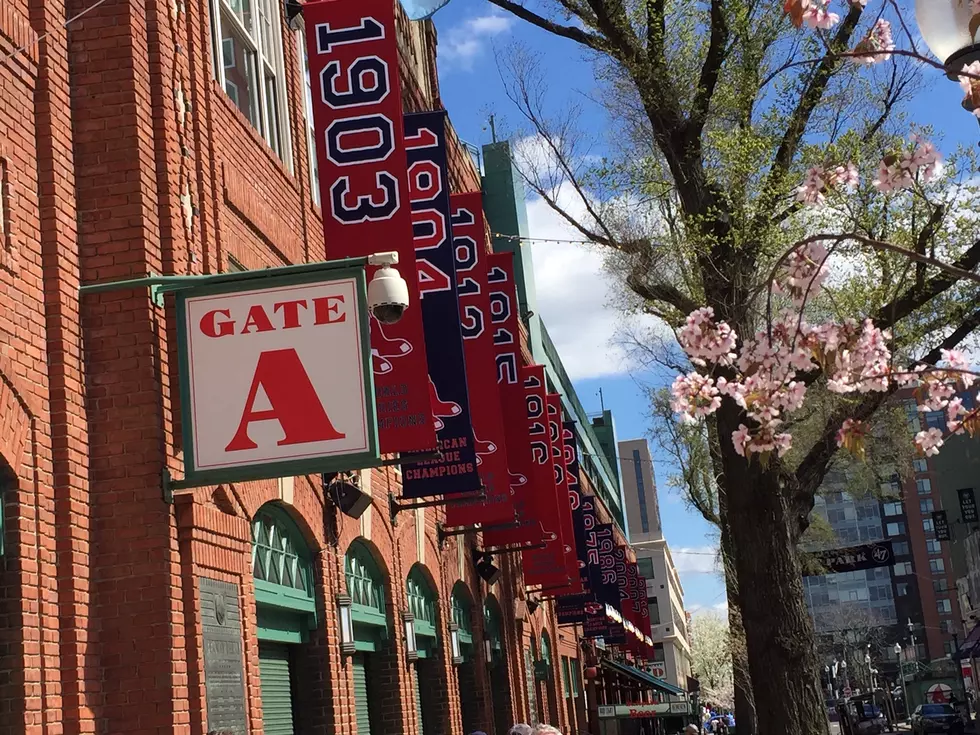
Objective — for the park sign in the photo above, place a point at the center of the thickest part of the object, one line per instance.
(642, 711)
(852, 558)
(275, 375)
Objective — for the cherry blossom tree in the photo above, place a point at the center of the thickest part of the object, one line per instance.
(766, 197)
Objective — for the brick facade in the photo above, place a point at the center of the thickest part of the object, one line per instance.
(120, 156)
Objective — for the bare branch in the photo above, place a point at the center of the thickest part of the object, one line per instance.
(592, 40)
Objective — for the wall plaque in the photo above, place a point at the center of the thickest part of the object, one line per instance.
(224, 677)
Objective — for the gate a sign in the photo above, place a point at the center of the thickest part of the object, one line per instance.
(357, 114)
(276, 378)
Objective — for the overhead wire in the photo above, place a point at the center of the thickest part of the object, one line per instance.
(36, 41)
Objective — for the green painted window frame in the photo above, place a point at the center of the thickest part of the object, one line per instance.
(545, 649)
(566, 676)
(493, 630)
(285, 609)
(462, 610)
(421, 603)
(366, 588)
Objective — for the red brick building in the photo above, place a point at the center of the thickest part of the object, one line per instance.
(172, 137)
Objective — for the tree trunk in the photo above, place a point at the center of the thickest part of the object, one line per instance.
(745, 718)
(778, 629)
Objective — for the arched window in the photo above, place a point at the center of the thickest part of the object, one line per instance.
(492, 632)
(546, 649)
(281, 562)
(365, 585)
(422, 603)
(463, 615)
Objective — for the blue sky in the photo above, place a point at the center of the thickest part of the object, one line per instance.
(574, 296)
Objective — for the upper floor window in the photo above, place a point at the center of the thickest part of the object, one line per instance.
(308, 114)
(920, 465)
(248, 63)
(894, 508)
(924, 486)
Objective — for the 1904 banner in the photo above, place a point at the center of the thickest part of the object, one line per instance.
(357, 112)
(428, 182)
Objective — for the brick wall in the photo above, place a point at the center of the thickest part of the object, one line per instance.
(120, 155)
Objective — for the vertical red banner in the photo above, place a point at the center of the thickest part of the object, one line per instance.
(357, 113)
(545, 566)
(481, 367)
(556, 427)
(504, 321)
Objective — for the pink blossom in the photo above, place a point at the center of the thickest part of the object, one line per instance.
(695, 396)
(817, 15)
(929, 441)
(849, 428)
(878, 40)
(819, 180)
(956, 361)
(802, 274)
(741, 439)
(971, 85)
(899, 171)
(704, 341)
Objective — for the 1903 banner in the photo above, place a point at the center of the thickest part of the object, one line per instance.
(357, 113)
(428, 182)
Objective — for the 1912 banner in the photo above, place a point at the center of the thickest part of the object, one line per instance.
(357, 112)
(505, 322)
(481, 367)
(428, 183)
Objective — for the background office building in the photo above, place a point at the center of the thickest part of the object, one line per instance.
(664, 590)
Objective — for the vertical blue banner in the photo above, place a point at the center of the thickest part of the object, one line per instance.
(428, 183)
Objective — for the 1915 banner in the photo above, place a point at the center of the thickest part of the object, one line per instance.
(557, 428)
(505, 323)
(481, 367)
(357, 113)
(428, 183)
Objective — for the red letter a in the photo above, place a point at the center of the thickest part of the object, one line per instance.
(295, 404)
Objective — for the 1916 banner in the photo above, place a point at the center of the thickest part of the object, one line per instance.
(428, 184)
(545, 566)
(481, 371)
(357, 113)
(504, 319)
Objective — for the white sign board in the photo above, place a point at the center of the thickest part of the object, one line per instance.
(642, 711)
(658, 669)
(276, 379)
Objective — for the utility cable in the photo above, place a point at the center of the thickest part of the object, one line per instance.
(40, 38)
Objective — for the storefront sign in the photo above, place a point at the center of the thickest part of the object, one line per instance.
(642, 711)
(854, 558)
(505, 323)
(357, 112)
(224, 680)
(481, 367)
(941, 524)
(276, 378)
(428, 183)
(658, 669)
(968, 505)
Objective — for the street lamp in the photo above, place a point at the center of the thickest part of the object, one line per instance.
(945, 27)
(901, 673)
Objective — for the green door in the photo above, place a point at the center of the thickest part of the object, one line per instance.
(362, 711)
(277, 700)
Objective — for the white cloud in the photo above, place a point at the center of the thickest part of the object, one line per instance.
(462, 44)
(696, 560)
(577, 297)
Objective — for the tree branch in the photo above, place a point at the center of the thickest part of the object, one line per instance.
(593, 41)
(711, 69)
(890, 314)
(800, 119)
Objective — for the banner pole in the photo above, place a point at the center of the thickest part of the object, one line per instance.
(396, 507)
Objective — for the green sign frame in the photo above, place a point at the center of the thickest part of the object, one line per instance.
(275, 278)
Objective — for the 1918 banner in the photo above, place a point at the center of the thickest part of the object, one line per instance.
(428, 183)
(357, 112)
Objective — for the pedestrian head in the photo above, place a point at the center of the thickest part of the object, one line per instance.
(691, 730)
(478, 732)
(546, 730)
(520, 729)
